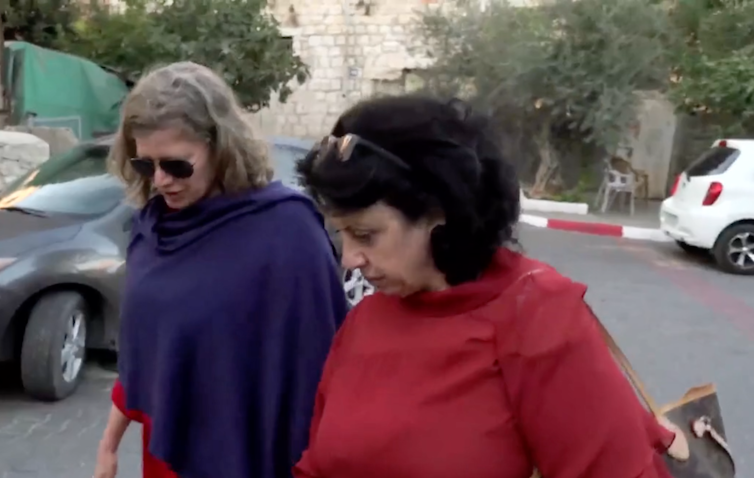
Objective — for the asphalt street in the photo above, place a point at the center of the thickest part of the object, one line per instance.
(59, 440)
(680, 321)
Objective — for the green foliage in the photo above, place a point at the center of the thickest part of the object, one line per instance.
(578, 194)
(40, 21)
(715, 68)
(570, 68)
(720, 86)
(234, 37)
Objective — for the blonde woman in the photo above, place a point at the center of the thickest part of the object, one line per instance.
(232, 294)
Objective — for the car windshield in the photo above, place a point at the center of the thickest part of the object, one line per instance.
(77, 182)
(73, 183)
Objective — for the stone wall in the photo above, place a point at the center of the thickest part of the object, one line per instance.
(651, 140)
(59, 139)
(353, 48)
(19, 152)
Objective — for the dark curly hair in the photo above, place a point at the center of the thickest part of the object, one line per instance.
(456, 169)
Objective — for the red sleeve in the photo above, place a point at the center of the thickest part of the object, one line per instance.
(119, 400)
(306, 467)
(577, 412)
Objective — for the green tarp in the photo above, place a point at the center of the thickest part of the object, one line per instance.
(60, 90)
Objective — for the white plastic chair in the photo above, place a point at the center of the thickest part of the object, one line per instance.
(613, 183)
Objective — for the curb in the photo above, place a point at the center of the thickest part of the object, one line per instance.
(596, 228)
(544, 205)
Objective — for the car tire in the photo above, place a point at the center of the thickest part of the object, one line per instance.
(692, 250)
(740, 235)
(54, 346)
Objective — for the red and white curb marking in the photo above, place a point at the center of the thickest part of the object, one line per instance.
(600, 229)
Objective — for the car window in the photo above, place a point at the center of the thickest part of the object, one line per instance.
(713, 161)
(284, 161)
(75, 183)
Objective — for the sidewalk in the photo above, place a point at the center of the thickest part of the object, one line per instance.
(644, 224)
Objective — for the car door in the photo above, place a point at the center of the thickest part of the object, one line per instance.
(116, 230)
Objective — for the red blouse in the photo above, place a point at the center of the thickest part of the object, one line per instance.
(486, 380)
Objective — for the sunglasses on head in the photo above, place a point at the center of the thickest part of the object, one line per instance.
(344, 148)
(177, 168)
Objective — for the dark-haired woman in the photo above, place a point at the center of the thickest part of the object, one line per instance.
(471, 360)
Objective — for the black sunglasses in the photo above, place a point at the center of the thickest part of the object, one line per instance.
(344, 147)
(177, 168)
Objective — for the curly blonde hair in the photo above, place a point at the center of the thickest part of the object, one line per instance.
(195, 100)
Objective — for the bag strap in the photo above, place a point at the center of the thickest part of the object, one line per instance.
(624, 363)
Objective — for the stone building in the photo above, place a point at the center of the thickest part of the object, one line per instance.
(354, 48)
(19, 152)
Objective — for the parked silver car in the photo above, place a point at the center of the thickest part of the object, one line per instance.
(64, 229)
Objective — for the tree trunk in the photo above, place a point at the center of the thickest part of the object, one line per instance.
(548, 177)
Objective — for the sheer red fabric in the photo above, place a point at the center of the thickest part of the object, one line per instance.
(151, 466)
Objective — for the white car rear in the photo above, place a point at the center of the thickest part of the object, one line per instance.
(711, 206)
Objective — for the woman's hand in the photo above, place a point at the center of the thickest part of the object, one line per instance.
(107, 453)
(679, 448)
(107, 463)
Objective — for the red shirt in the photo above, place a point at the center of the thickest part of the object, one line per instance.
(486, 380)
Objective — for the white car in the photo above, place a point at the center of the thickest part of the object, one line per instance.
(711, 206)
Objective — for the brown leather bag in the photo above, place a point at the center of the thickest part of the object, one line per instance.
(705, 451)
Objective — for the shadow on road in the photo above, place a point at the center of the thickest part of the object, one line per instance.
(697, 258)
(10, 380)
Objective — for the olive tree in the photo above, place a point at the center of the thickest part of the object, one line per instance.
(714, 76)
(570, 68)
(237, 38)
(39, 22)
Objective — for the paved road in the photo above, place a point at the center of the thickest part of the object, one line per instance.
(682, 323)
(40, 440)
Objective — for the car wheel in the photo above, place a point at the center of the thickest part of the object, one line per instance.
(356, 286)
(693, 250)
(54, 346)
(734, 249)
